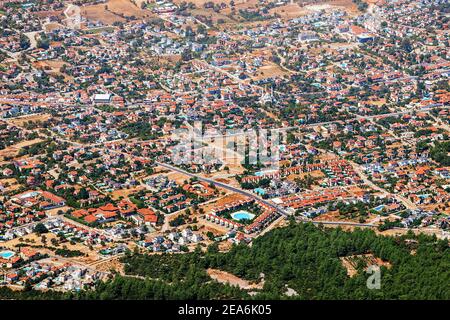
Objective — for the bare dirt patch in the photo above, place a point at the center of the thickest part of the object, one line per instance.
(270, 70)
(53, 67)
(49, 27)
(178, 177)
(13, 150)
(335, 216)
(347, 5)
(290, 11)
(56, 211)
(351, 262)
(9, 184)
(33, 241)
(114, 11)
(109, 265)
(231, 279)
(116, 194)
(20, 121)
(212, 15)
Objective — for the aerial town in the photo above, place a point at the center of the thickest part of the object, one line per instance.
(168, 128)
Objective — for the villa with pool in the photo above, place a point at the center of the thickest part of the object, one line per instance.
(6, 255)
(8, 258)
(248, 214)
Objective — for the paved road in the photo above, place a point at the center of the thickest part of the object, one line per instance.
(253, 196)
(268, 203)
(226, 186)
(310, 125)
(360, 171)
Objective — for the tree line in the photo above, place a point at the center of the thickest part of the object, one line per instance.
(302, 257)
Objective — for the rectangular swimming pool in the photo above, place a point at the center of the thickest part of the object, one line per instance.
(7, 254)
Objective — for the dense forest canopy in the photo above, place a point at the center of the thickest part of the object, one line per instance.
(301, 257)
(440, 152)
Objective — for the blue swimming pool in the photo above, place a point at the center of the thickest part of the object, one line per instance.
(261, 173)
(242, 215)
(7, 254)
(260, 191)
